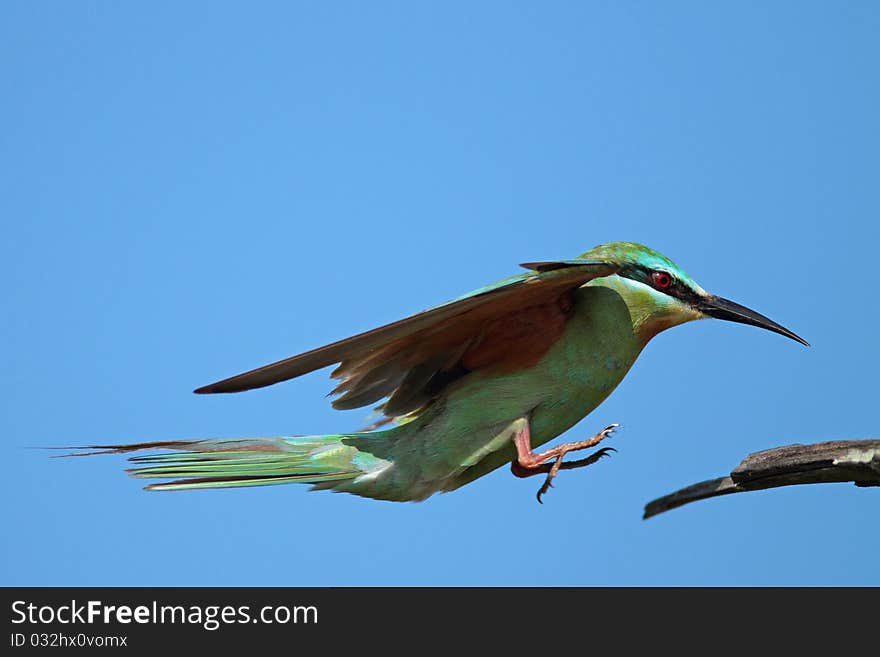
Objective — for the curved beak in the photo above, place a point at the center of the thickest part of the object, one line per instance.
(733, 312)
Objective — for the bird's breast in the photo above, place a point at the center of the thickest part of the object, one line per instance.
(586, 364)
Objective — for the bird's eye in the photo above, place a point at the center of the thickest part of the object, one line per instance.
(661, 279)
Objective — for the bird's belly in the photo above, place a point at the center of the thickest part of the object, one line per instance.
(577, 373)
(468, 431)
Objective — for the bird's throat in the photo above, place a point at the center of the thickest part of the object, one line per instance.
(650, 311)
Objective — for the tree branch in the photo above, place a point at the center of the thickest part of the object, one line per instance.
(835, 461)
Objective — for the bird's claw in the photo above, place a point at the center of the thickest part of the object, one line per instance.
(595, 456)
(610, 429)
(548, 484)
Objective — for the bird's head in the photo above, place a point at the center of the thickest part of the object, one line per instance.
(660, 295)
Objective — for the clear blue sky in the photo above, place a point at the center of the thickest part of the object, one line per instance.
(191, 190)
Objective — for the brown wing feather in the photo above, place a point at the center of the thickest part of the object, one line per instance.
(519, 340)
(508, 326)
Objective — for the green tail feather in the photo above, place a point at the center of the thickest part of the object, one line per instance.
(319, 460)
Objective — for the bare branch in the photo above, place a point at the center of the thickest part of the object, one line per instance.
(835, 461)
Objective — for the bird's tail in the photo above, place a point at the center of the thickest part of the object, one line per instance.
(324, 461)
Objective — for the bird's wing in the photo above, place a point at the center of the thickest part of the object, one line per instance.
(508, 324)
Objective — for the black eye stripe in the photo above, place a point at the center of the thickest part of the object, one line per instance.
(675, 288)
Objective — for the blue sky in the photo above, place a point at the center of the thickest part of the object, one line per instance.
(189, 191)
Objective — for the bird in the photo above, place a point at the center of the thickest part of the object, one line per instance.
(463, 388)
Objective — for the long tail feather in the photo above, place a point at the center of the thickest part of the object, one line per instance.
(197, 464)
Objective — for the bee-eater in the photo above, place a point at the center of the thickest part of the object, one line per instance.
(467, 386)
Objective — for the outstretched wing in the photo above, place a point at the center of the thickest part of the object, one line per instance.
(509, 324)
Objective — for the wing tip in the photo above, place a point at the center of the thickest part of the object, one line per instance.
(222, 386)
(551, 265)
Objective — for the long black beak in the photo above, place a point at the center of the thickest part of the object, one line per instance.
(733, 312)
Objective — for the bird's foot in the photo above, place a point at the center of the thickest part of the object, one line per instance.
(528, 463)
(569, 465)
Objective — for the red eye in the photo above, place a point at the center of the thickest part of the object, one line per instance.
(661, 279)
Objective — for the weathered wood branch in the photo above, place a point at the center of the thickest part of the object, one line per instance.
(835, 461)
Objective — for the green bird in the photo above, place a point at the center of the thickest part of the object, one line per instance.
(468, 386)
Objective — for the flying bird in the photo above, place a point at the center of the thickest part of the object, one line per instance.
(465, 387)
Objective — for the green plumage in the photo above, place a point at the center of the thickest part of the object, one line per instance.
(471, 388)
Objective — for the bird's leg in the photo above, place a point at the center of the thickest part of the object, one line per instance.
(529, 463)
